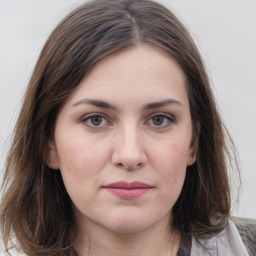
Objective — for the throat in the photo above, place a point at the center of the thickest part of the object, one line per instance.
(148, 244)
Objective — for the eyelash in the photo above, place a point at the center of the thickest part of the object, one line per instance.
(168, 119)
(88, 118)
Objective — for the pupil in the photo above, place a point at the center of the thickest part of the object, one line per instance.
(158, 120)
(96, 120)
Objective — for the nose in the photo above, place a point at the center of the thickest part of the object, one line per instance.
(129, 149)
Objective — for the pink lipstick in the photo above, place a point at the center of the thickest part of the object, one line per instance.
(128, 190)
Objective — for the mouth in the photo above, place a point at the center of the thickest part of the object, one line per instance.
(127, 190)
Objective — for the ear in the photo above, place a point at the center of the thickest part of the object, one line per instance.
(52, 160)
(192, 152)
(191, 159)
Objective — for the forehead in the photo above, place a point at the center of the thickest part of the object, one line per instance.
(143, 72)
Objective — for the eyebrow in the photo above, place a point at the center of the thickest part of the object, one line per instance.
(96, 103)
(162, 103)
(106, 105)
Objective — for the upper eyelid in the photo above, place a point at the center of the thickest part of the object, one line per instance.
(148, 117)
(85, 121)
(87, 116)
(161, 114)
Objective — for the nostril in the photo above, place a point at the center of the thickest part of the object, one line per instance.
(130, 166)
(128, 154)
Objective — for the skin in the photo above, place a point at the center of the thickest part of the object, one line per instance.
(132, 140)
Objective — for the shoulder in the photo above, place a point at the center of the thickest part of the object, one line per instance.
(227, 243)
(247, 231)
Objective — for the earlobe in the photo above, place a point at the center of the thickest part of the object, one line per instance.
(193, 147)
(52, 160)
(192, 154)
(191, 159)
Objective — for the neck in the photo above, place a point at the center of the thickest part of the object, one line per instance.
(158, 240)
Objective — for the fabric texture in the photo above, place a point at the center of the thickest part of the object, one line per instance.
(227, 243)
(247, 231)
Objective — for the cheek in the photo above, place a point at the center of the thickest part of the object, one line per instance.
(171, 156)
(82, 158)
(80, 166)
(170, 162)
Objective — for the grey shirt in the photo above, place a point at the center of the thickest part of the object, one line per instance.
(226, 243)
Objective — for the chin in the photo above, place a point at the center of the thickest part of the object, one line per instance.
(128, 228)
(129, 224)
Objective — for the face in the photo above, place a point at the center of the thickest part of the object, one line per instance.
(122, 141)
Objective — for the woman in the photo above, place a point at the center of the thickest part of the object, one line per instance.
(119, 148)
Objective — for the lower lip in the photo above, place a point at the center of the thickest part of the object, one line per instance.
(129, 193)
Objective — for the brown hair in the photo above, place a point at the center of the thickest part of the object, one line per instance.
(36, 208)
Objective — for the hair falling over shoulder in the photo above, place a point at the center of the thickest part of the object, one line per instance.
(37, 217)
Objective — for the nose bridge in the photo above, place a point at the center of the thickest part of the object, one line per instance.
(129, 150)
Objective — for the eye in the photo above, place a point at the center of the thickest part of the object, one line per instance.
(95, 121)
(160, 120)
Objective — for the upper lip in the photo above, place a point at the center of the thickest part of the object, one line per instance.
(128, 185)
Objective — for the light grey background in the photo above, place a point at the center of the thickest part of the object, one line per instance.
(224, 30)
